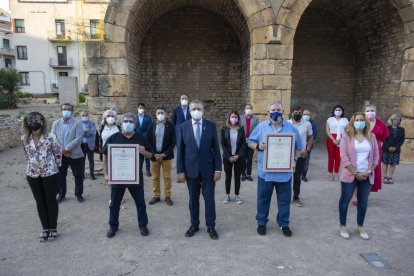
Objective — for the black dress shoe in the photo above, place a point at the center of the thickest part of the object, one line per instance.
(190, 232)
(149, 173)
(80, 198)
(93, 177)
(286, 231)
(243, 178)
(249, 177)
(111, 233)
(144, 231)
(304, 179)
(213, 234)
(261, 230)
(60, 198)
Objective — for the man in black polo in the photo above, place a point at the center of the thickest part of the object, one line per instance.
(127, 136)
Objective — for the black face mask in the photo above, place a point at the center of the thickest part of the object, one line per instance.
(297, 117)
(34, 126)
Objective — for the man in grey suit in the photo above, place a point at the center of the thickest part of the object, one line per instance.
(249, 122)
(69, 132)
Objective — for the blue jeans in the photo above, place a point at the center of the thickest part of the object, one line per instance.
(347, 191)
(264, 196)
(137, 193)
(306, 165)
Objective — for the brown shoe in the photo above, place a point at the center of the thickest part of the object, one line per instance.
(154, 200)
(169, 201)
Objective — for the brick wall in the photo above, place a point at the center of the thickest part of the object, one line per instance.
(192, 51)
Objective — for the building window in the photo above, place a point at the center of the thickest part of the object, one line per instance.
(8, 63)
(61, 55)
(21, 52)
(24, 78)
(19, 26)
(95, 31)
(60, 28)
(6, 43)
(63, 74)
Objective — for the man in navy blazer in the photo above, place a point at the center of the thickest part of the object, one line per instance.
(181, 113)
(143, 122)
(199, 162)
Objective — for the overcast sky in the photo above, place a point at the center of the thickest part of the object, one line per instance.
(4, 4)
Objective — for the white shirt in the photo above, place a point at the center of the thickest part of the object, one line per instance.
(107, 132)
(305, 129)
(362, 151)
(195, 127)
(337, 127)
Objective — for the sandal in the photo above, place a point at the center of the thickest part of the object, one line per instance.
(44, 236)
(385, 180)
(52, 235)
(390, 180)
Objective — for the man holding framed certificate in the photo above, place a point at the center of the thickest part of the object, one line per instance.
(278, 143)
(124, 154)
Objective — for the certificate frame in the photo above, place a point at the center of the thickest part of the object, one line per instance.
(279, 145)
(123, 164)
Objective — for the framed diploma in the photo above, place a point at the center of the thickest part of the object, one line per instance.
(279, 155)
(123, 164)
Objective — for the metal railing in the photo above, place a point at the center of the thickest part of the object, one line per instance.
(56, 63)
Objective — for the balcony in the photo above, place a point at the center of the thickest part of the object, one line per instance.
(62, 37)
(7, 52)
(61, 64)
(54, 87)
(92, 37)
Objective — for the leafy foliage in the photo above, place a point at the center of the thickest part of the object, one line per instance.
(9, 86)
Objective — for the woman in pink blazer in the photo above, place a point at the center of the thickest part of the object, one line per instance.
(359, 157)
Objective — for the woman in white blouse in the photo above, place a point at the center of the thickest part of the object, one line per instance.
(108, 128)
(44, 157)
(335, 128)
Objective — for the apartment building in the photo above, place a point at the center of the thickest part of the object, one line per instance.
(7, 51)
(50, 37)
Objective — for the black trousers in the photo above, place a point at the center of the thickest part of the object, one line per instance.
(44, 191)
(300, 163)
(248, 162)
(228, 168)
(90, 154)
(77, 170)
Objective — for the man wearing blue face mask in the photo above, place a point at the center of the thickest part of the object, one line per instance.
(267, 181)
(69, 132)
(88, 142)
(127, 136)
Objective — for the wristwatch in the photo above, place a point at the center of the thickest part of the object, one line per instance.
(257, 147)
(370, 172)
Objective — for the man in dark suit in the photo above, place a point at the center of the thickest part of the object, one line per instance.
(199, 162)
(161, 137)
(141, 127)
(181, 113)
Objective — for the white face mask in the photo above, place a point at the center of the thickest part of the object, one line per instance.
(306, 117)
(140, 111)
(197, 114)
(338, 113)
(110, 120)
(184, 102)
(248, 111)
(160, 117)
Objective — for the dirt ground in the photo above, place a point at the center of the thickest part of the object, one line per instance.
(315, 248)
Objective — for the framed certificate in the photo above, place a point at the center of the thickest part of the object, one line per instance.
(279, 155)
(123, 164)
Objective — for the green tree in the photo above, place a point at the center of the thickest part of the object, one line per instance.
(9, 86)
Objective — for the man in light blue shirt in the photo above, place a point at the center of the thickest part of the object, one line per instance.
(267, 181)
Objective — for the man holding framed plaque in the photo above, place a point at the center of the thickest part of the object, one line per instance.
(124, 154)
(278, 143)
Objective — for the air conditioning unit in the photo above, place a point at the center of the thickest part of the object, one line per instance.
(55, 85)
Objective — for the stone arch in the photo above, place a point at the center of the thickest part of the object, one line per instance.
(400, 84)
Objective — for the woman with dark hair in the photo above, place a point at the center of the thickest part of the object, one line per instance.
(391, 148)
(335, 128)
(44, 156)
(360, 156)
(233, 143)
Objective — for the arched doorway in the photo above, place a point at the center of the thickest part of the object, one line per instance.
(348, 52)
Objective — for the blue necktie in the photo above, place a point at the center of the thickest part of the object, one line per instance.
(198, 134)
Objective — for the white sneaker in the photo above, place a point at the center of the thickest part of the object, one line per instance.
(363, 234)
(343, 232)
(226, 200)
(238, 200)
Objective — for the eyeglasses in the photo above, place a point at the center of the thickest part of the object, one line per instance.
(129, 121)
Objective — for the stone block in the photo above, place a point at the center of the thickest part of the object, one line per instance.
(287, 18)
(407, 13)
(93, 49)
(118, 66)
(113, 50)
(409, 54)
(408, 125)
(407, 150)
(407, 89)
(97, 66)
(97, 105)
(409, 41)
(259, 51)
(283, 67)
(113, 85)
(261, 19)
(277, 82)
(297, 6)
(407, 106)
(275, 51)
(408, 73)
(399, 4)
(286, 101)
(261, 99)
(263, 67)
(114, 33)
(93, 85)
(276, 4)
(260, 36)
(256, 82)
(285, 34)
(249, 7)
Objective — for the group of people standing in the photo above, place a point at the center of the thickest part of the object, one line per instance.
(199, 159)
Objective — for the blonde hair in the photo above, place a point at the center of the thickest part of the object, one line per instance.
(351, 131)
(369, 105)
(105, 114)
(395, 116)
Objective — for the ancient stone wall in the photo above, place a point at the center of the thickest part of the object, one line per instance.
(10, 132)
